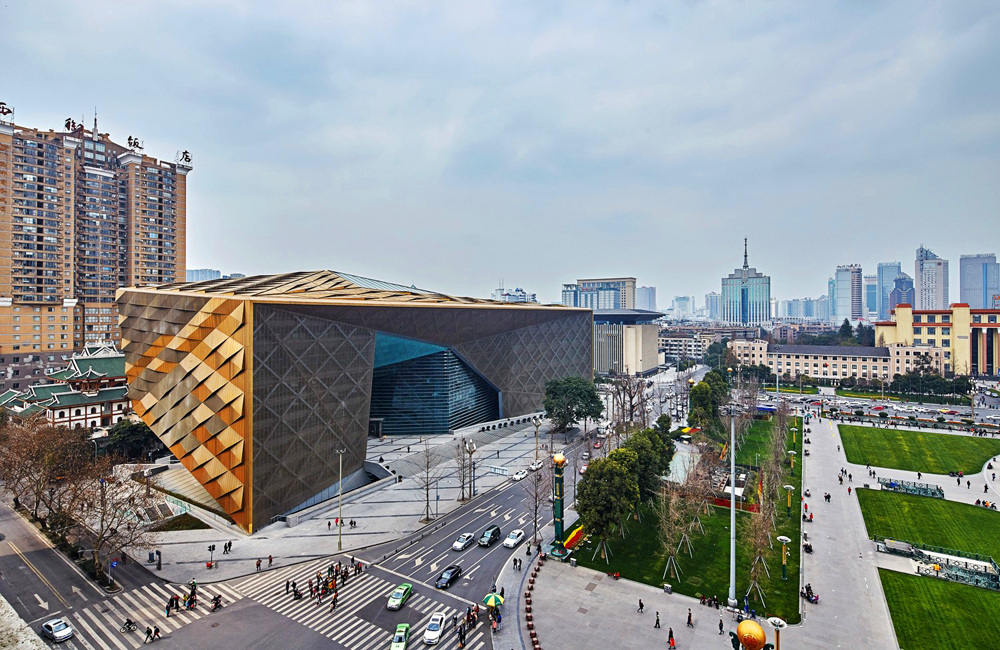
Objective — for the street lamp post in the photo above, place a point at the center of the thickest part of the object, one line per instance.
(471, 449)
(340, 500)
(732, 498)
(784, 555)
(791, 460)
(537, 421)
(778, 624)
(788, 508)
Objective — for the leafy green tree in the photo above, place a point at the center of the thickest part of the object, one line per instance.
(570, 399)
(604, 496)
(846, 331)
(702, 398)
(652, 460)
(132, 440)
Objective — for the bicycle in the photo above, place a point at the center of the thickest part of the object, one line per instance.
(129, 626)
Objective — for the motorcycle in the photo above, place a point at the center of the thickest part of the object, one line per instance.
(807, 547)
(812, 598)
(216, 604)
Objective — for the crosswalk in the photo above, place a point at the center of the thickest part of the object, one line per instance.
(97, 626)
(344, 625)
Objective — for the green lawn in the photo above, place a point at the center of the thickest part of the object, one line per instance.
(917, 451)
(930, 613)
(640, 557)
(806, 390)
(755, 443)
(931, 521)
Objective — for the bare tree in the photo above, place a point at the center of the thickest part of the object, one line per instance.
(670, 523)
(112, 510)
(461, 463)
(538, 487)
(427, 477)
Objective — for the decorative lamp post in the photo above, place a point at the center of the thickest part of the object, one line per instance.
(784, 554)
(558, 465)
(340, 501)
(690, 386)
(750, 635)
(794, 431)
(778, 624)
(788, 508)
(791, 460)
(537, 421)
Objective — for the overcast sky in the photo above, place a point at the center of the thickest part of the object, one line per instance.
(453, 144)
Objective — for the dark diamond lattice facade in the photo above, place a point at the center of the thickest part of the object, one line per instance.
(256, 384)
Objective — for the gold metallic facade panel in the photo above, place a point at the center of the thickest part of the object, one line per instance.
(186, 357)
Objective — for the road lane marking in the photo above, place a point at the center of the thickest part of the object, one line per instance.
(39, 574)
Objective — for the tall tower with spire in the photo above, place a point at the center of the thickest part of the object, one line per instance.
(746, 294)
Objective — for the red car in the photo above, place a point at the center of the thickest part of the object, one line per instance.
(597, 444)
(878, 408)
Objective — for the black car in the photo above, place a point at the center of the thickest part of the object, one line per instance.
(489, 536)
(448, 576)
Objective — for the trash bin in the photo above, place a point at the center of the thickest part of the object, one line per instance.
(867, 486)
(572, 561)
(667, 589)
(152, 557)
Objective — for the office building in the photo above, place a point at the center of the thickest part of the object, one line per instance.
(930, 280)
(831, 292)
(979, 279)
(870, 291)
(256, 384)
(682, 307)
(600, 293)
(626, 341)
(81, 216)
(645, 298)
(969, 339)
(713, 306)
(848, 285)
(746, 295)
(902, 292)
(516, 295)
(202, 275)
(885, 277)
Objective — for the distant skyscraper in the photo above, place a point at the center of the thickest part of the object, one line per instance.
(713, 305)
(201, 275)
(746, 295)
(517, 295)
(645, 298)
(979, 280)
(871, 296)
(831, 294)
(885, 278)
(683, 306)
(902, 292)
(600, 293)
(849, 293)
(930, 280)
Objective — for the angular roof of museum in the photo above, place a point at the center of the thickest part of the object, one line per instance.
(322, 286)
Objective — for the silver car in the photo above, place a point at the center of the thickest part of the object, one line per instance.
(57, 629)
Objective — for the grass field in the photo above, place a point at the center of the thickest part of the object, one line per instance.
(755, 443)
(931, 521)
(929, 613)
(639, 555)
(806, 390)
(917, 451)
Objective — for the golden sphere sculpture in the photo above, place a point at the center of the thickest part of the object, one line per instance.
(559, 460)
(751, 635)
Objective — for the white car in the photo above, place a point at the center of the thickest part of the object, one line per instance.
(57, 629)
(535, 466)
(520, 474)
(515, 538)
(434, 628)
(463, 542)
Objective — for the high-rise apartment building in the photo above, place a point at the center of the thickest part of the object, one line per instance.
(713, 305)
(645, 298)
(600, 293)
(746, 295)
(849, 294)
(831, 293)
(902, 293)
(930, 280)
(80, 217)
(979, 280)
(870, 284)
(202, 275)
(885, 279)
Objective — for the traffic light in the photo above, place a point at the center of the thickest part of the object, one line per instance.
(211, 548)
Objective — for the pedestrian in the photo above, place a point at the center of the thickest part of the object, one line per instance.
(258, 564)
(848, 491)
(499, 621)
(288, 586)
(149, 635)
(850, 478)
(156, 633)
(454, 621)
(670, 636)
(328, 525)
(690, 624)
(721, 626)
(501, 593)
(640, 606)
(958, 482)
(169, 602)
(514, 563)
(407, 448)
(919, 475)
(270, 561)
(656, 625)
(968, 485)
(986, 488)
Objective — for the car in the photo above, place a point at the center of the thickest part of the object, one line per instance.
(585, 455)
(489, 536)
(535, 466)
(448, 576)
(57, 629)
(401, 637)
(435, 627)
(399, 596)
(583, 468)
(514, 538)
(598, 444)
(463, 541)
(520, 474)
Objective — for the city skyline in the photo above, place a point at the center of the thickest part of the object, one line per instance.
(394, 140)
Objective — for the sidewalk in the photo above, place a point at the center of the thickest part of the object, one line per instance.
(382, 515)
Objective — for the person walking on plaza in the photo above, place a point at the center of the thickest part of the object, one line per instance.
(270, 561)
(690, 624)
(149, 635)
(258, 564)
(721, 626)
(156, 633)
(657, 624)
(670, 636)
(288, 586)
(640, 606)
